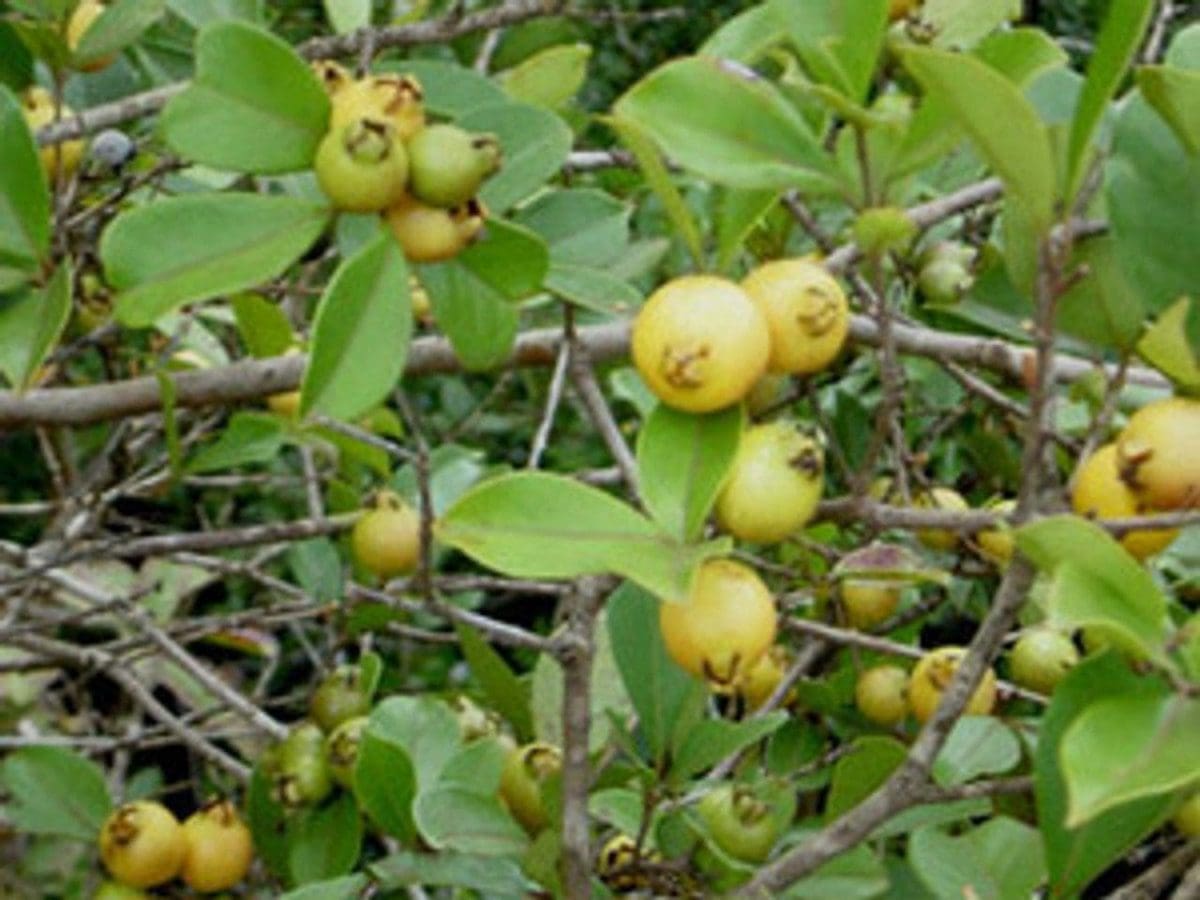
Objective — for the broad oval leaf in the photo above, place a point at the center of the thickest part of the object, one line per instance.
(360, 334)
(347, 15)
(53, 791)
(978, 745)
(185, 249)
(250, 437)
(550, 77)
(325, 842)
(980, 862)
(450, 90)
(24, 197)
(254, 105)
(31, 322)
(1175, 95)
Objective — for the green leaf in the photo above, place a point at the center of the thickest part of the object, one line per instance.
(118, 26)
(509, 263)
(345, 888)
(714, 739)
(450, 90)
(729, 125)
(325, 842)
(661, 692)
(1118, 41)
(594, 289)
(576, 530)
(550, 77)
(24, 196)
(1175, 95)
(499, 878)
(978, 745)
(317, 567)
(424, 728)
(53, 791)
(452, 817)
(506, 693)
(535, 143)
(481, 327)
(267, 821)
(1129, 747)
(1102, 308)
(980, 863)
(1167, 346)
(360, 335)
(738, 212)
(859, 773)
(16, 62)
(857, 874)
(253, 106)
(347, 15)
(31, 322)
(385, 784)
(1076, 856)
(682, 462)
(964, 23)
(180, 250)
(581, 226)
(250, 437)
(1004, 127)
(264, 328)
(838, 40)
(746, 37)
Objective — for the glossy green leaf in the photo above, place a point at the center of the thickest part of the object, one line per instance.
(980, 863)
(249, 438)
(360, 335)
(121, 23)
(424, 728)
(509, 263)
(1175, 95)
(347, 15)
(253, 106)
(965, 23)
(535, 143)
(712, 740)
(31, 322)
(53, 791)
(593, 288)
(661, 692)
(325, 842)
(581, 226)
(746, 37)
(24, 197)
(454, 818)
(1004, 127)
(385, 784)
(1168, 347)
(1118, 41)
(1128, 747)
(550, 77)
(1076, 856)
(729, 125)
(263, 326)
(180, 250)
(978, 745)
(481, 326)
(682, 462)
(577, 530)
(499, 878)
(857, 775)
(838, 40)
(505, 692)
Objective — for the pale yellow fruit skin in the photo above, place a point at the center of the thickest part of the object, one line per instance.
(285, 404)
(932, 676)
(332, 75)
(997, 545)
(1100, 493)
(219, 849)
(867, 603)
(38, 107)
(396, 98)
(1187, 817)
(84, 16)
(425, 233)
(387, 541)
(881, 695)
(700, 343)
(1041, 658)
(806, 312)
(359, 184)
(724, 627)
(774, 484)
(142, 844)
(757, 685)
(1159, 454)
(943, 498)
(526, 769)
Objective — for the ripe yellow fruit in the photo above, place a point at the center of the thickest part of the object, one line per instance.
(219, 848)
(806, 312)
(756, 685)
(387, 539)
(1041, 658)
(429, 234)
(1187, 817)
(422, 307)
(285, 404)
(867, 603)
(142, 844)
(724, 626)
(526, 770)
(1100, 493)
(943, 498)
(932, 676)
(1159, 454)
(397, 99)
(332, 75)
(774, 484)
(61, 159)
(84, 16)
(881, 695)
(617, 864)
(700, 343)
(996, 545)
(362, 166)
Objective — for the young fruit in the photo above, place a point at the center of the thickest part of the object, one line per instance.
(397, 99)
(61, 159)
(387, 539)
(332, 75)
(946, 499)
(882, 229)
(700, 343)
(1041, 658)
(448, 164)
(740, 823)
(867, 603)
(1187, 817)
(932, 676)
(719, 632)
(422, 307)
(219, 848)
(1159, 454)
(286, 404)
(84, 16)
(996, 545)
(806, 312)
(1099, 492)
(339, 697)
(142, 844)
(944, 282)
(301, 770)
(881, 695)
(429, 234)
(362, 166)
(757, 684)
(774, 484)
(341, 749)
(526, 770)
(617, 862)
